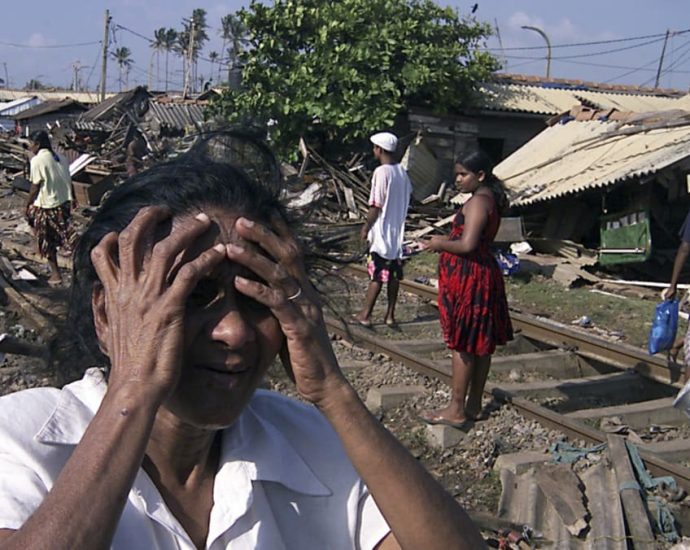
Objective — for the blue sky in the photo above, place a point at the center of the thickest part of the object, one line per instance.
(42, 28)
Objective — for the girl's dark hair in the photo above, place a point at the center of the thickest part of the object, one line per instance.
(41, 138)
(209, 174)
(478, 161)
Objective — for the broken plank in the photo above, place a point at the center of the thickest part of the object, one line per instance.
(562, 488)
(634, 508)
(26, 308)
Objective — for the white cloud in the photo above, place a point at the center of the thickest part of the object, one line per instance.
(563, 31)
(37, 39)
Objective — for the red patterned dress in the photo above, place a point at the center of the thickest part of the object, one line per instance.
(471, 298)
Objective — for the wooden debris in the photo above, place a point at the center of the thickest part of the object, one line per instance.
(563, 489)
(45, 328)
(636, 515)
(8, 344)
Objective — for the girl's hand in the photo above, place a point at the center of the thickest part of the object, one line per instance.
(139, 306)
(434, 244)
(277, 260)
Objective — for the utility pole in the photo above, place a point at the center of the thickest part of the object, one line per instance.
(104, 62)
(500, 43)
(548, 46)
(191, 57)
(7, 77)
(76, 82)
(661, 59)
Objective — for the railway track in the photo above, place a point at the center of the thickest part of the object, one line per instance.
(602, 379)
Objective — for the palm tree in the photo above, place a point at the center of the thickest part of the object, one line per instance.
(213, 57)
(226, 23)
(194, 30)
(233, 31)
(158, 45)
(169, 42)
(123, 58)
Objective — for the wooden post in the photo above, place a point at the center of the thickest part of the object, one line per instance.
(631, 497)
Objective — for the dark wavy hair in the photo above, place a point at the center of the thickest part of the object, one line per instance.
(223, 170)
(478, 161)
(42, 139)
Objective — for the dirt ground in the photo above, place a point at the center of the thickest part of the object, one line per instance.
(465, 470)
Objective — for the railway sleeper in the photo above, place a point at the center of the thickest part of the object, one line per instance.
(637, 416)
(601, 390)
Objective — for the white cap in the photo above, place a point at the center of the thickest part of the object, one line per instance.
(385, 140)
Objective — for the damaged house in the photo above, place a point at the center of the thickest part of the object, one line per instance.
(616, 182)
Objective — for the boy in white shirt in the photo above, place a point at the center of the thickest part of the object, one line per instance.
(385, 226)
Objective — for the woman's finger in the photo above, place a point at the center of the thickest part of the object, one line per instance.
(193, 271)
(284, 247)
(165, 252)
(134, 238)
(281, 282)
(276, 300)
(102, 258)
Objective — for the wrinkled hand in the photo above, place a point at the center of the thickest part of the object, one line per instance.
(294, 302)
(140, 308)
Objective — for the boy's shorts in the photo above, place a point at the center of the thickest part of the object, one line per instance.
(383, 270)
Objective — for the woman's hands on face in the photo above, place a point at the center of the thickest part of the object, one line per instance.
(293, 301)
(140, 319)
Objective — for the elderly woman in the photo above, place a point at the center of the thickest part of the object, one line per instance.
(48, 207)
(191, 284)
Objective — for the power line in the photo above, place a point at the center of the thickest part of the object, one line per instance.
(640, 68)
(592, 43)
(589, 54)
(607, 66)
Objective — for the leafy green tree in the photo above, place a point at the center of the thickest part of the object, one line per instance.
(341, 70)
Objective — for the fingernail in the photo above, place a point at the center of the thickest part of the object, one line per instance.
(219, 248)
(202, 217)
(233, 248)
(241, 280)
(246, 223)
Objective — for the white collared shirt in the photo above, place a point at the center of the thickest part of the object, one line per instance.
(284, 481)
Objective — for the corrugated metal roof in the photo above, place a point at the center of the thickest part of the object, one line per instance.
(116, 104)
(497, 96)
(569, 158)
(175, 115)
(45, 95)
(50, 106)
(18, 105)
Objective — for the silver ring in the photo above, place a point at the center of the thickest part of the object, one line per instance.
(295, 295)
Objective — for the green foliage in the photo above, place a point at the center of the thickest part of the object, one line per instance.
(341, 70)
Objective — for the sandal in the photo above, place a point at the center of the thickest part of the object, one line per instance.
(435, 419)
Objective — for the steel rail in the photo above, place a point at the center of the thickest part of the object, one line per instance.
(544, 416)
(556, 334)
(625, 356)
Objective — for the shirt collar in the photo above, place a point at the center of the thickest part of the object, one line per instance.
(76, 406)
(256, 446)
(253, 447)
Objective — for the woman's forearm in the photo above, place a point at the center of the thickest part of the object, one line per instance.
(679, 263)
(420, 513)
(84, 506)
(459, 247)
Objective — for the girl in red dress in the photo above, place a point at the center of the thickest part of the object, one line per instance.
(471, 297)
